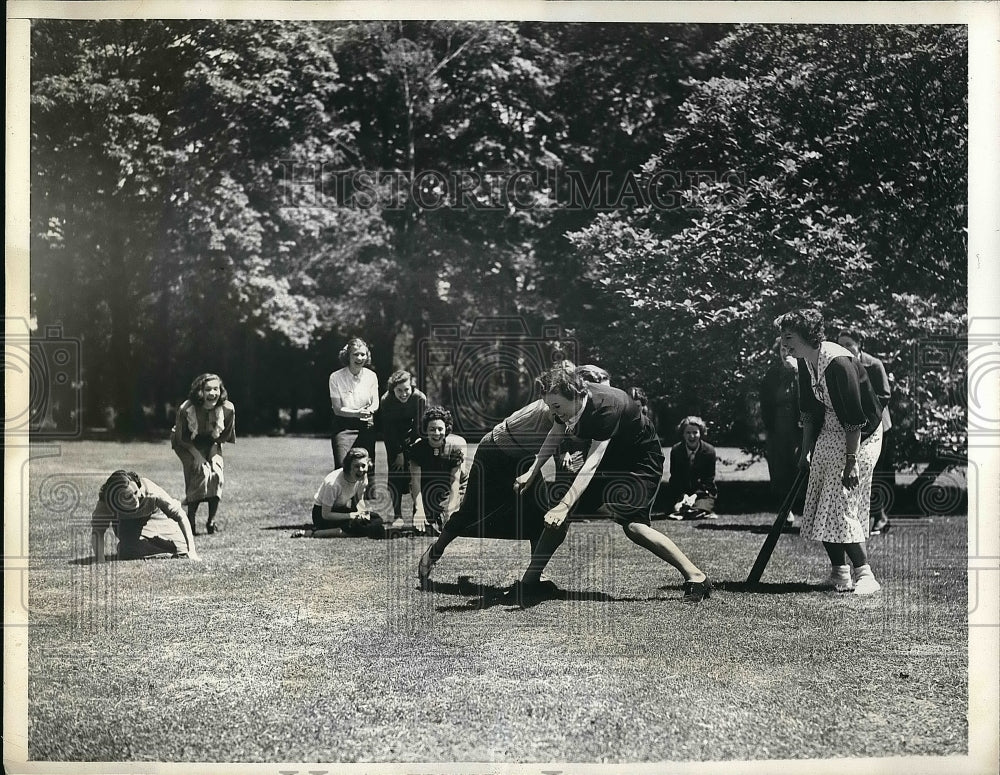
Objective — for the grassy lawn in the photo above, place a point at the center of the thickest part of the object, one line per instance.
(274, 650)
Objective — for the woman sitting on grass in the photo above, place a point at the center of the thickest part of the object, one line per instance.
(339, 505)
(438, 479)
(148, 522)
(692, 472)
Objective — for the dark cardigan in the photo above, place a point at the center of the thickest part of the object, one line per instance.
(851, 393)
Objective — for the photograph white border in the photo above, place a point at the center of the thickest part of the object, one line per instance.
(983, 20)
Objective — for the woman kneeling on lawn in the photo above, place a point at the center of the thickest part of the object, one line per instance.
(339, 505)
(148, 522)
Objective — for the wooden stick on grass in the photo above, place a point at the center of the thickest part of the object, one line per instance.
(775, 533)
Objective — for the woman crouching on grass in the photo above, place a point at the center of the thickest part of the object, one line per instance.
(339, 507)
(841, 441)
(148, 523)
(438, 479)
(205, 421)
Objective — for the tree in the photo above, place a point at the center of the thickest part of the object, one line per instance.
(838, 158)
(158, 150)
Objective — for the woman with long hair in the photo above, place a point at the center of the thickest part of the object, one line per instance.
(205, 421)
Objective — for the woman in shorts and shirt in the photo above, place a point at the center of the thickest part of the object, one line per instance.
(619, 477)
(147, 521)
(491, 503)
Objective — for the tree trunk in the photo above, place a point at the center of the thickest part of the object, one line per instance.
(122, 382)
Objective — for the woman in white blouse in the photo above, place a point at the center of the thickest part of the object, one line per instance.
(354, 398)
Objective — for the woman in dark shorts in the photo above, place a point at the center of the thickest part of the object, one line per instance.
(619, 477)
(147, 521)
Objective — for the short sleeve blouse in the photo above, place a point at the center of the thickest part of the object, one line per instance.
(355, 392)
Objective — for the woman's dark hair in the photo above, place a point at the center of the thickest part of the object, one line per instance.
(399, 378)
(353, 343)
(565, 383)
(194, 394)
(437, 413)
(355, 453)
(591, 373)
(638, 394)
(853, 333)
(807, 323)
(116, 484)
(696, 421)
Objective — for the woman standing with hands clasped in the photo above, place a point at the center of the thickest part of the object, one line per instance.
(354, 398)
(841, 440)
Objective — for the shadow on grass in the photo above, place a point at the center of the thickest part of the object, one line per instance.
(113, 557)
(294, 526)
(783, 588)
(761, 529)
(483, 596)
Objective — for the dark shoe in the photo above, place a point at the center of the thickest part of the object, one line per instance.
(211, 528)
(696, 591)
(427, 561)
(527, 595)
(435, 525)
(194, 528)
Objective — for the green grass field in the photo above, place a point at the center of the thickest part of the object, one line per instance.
(275, 650)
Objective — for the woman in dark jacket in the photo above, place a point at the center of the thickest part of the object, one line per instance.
(692, 472)
(841, 441)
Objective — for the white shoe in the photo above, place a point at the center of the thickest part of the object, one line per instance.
(866, 583)
(840, 578)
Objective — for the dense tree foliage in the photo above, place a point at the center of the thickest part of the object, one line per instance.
(241, 196)
(160, 235)
(833, 174)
